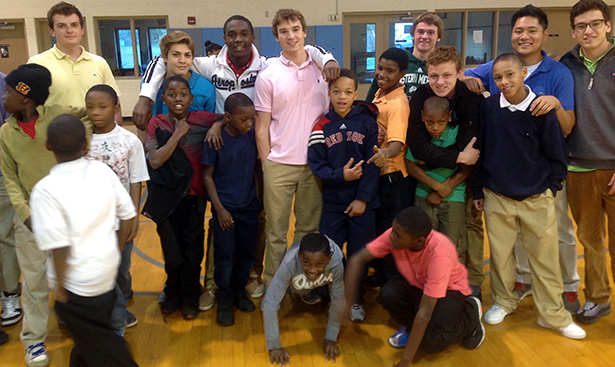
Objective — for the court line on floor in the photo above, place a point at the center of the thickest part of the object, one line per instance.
(155, 262)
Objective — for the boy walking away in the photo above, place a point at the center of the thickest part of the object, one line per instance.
(517, 193)
(313, 272)
(121, 151)
(229, 177)
(25, 160)
(429, 296)
(181, 228)
(440, 191)
(591, 149)
(340, 144)
(75, 210)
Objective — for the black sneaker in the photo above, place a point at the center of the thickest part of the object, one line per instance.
(190, 309)
(4, 337)
(169, 306)
(131, 320)
(477, 336)
(244, 304)
(225, 317)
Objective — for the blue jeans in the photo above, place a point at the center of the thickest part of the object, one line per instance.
(123, 291)
(234, 253)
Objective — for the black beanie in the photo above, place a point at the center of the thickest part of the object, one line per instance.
(31, 80)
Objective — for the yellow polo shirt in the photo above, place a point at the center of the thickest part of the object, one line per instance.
(70, 80)
(394, 111)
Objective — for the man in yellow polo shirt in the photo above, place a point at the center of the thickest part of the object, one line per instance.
(74, 71)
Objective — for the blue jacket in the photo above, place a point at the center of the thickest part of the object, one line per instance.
(334, 140)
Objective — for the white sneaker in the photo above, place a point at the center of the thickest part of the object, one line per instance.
(572, 331)
(11, 308)
(36, 356)
(357, 313)
(495, 315)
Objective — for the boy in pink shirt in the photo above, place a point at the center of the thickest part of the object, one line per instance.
(291, 96)
(430, 296)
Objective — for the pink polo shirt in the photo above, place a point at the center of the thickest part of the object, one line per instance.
(297, 97)
(435, 269)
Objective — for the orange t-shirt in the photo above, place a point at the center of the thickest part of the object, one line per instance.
(394, 111)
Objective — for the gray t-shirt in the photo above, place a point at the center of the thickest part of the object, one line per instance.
(290, 274)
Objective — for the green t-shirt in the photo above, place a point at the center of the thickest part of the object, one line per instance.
(440, 174)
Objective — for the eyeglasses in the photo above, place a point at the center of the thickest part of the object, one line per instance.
(594, 24)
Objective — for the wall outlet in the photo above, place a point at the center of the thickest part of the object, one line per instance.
(334, 17)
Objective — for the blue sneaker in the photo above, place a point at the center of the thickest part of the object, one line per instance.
(400, 338)
(36, 355)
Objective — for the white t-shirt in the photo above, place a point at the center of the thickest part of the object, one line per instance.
(76, 206)
(531, 69)
(121, 151)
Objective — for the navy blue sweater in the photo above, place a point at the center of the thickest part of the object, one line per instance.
(520, 155)
(334, 140)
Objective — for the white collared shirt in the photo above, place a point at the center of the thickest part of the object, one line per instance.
(76, 206)
(519, 106)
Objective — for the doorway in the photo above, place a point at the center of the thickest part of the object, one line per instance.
(13, 45)
(369, 35)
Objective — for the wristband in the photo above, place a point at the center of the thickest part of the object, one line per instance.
(559, 108)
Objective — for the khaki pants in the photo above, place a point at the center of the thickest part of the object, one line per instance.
(281, 183)
(567, 247)
(9, 267)
(535, 216)
(588, 195)
(448, 217)
(34, 289)
(475, 238)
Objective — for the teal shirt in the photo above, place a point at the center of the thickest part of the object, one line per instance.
(440, 174)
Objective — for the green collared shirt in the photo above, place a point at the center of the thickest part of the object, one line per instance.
(592, 65)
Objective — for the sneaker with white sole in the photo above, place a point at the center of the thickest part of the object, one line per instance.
(572, 331)
(357, 313)
(36, 355)
(523, 290)
(131, 320)
(477, 336)
(400, 338)
(207, 300)
(255, 287)
(495, 315)
(591, 312)
(11, 308)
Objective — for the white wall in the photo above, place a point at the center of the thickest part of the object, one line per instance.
(211, 13)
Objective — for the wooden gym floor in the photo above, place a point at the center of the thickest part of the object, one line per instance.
(173, 342)
(518, 341)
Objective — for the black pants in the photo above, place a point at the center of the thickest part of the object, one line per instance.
(453, 318)
(87, 319)
(182, 237)
(396, 193)
(356, 232)
(234, 253)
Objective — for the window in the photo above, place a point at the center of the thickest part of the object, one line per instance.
(129, 44)
(505, 32)
(363, 51)
(479, 40)
(453, 30)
